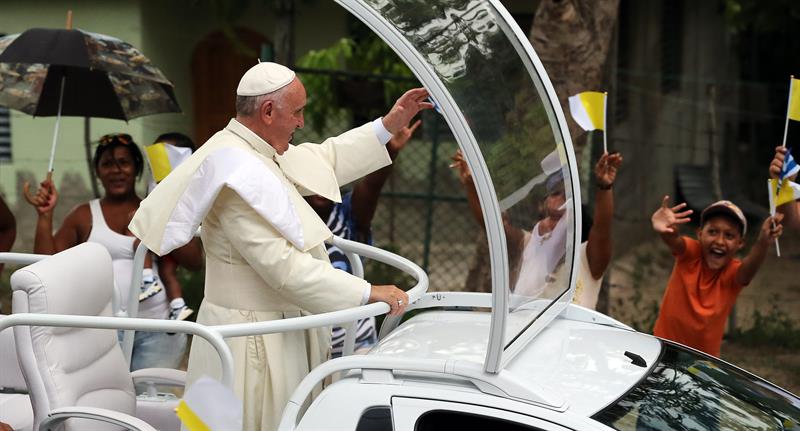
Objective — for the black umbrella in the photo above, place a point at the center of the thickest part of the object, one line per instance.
(47, 72)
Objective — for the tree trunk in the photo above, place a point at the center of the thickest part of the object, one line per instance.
(284, 32)
(572, 38)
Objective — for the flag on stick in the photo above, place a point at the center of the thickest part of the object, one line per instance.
(789, 191)
(793, 106)
(790, 167)
(794, 99)
(588, 109)
(163, 158)
(208, 405)
(771, 189)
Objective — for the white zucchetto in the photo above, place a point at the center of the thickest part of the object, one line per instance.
(264, 78)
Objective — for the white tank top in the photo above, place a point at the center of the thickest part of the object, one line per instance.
(540, 258)
(120, 247)
(587, 288)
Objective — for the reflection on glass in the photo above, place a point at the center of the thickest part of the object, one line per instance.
(465, 43)
(691, 391)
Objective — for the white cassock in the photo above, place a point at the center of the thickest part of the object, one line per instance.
(265, 257)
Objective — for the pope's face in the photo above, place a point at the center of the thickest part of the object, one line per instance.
(286, 117)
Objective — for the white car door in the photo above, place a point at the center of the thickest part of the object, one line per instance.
(419, 414)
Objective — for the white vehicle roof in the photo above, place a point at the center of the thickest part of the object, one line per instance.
(582, 364)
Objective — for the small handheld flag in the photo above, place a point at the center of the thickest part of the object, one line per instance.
(771, 189)
(208, 405)
(790, 167)
(588, 109)
(794, 99)
(789, 191)
(163, 158)
(793, 106)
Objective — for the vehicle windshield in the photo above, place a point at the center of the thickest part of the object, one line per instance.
(476, 55)
(690, 391)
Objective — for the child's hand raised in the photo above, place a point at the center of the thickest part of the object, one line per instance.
(771, 228)
(666, 219)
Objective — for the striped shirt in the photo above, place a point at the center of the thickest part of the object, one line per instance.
(340, 222)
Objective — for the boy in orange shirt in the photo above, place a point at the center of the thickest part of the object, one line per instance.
(706, 278)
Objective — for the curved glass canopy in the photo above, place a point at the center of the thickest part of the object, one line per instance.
(502, 109)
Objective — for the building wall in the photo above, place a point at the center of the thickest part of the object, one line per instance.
(661, 72)
(167, 33)
(32, 137)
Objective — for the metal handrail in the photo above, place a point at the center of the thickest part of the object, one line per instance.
(21, 258)
(127, 323)
(341, 316)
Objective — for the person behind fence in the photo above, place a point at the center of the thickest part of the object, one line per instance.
(265, 257)
(791, 210)
(167, 152)
(534, 256)
(118, 163)
(707, 278)
(352, 219)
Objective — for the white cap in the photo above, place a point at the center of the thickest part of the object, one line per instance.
(264, 78)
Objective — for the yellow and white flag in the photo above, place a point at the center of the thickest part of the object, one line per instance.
(588, 109)
(163, 158)
(790, 191)
(794, 99)
(208, 405)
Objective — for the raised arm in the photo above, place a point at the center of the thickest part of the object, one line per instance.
(771, 228)
(8, 228)
(599, 246)
(367, 191)
(190, 256)
(791, 210)
(465, 178)
(665, 222)
(45, 242)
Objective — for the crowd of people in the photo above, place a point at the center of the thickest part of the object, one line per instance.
(268, 207)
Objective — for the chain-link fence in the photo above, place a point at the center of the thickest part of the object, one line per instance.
(422, 213)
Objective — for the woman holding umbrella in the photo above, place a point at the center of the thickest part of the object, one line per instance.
(118, 163)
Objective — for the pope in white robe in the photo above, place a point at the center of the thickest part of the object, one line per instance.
(265, 257)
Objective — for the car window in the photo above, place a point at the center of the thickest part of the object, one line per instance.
(420, 414)
(442, 419)
(687, 390)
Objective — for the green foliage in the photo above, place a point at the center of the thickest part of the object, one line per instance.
(193, 287)
(646, 311)
(775, 328)
(774, 16)
(370, 56)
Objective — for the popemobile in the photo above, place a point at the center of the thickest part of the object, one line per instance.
(498, 360)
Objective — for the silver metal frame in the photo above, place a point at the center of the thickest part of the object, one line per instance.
(469, 146)
(501, 384)
(342, 316)
(495, 358)
(152, 325)
(554, 112)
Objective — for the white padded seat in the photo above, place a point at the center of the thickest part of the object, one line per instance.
(15, 405)
(66, 367)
